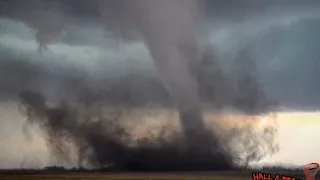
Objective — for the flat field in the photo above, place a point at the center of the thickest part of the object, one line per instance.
(128, 176)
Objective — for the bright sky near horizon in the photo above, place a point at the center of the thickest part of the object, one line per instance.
(297, 136)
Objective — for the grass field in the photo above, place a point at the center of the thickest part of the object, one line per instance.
(128, 176)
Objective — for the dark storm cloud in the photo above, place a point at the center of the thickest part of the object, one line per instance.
(64, 12)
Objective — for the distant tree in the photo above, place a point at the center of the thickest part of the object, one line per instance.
(54, 168)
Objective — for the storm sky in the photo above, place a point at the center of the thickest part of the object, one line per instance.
(281, 36)
(283, 41)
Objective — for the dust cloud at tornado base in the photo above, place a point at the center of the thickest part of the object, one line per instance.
(94, 122)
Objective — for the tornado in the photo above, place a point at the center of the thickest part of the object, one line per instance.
(169, 29)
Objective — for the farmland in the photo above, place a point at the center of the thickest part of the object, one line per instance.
(128, 176)
(137, 176)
